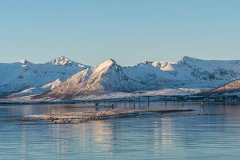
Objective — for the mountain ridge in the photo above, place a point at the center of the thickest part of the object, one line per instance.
(110, 77)
(24, 74)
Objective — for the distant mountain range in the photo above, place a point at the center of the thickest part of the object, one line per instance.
(65, 79)
(16, 77)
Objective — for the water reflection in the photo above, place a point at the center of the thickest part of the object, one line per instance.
(170, 136)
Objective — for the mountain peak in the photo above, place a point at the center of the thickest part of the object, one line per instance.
(61, 61)
(109, 62)
(24, 62)
(106, 64)
(146, 62)
(189, 58)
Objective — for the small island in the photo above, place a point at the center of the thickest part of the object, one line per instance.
(81, 117)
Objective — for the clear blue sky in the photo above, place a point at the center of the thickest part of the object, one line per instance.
(129, 31)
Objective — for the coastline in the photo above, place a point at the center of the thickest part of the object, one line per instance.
(228, 99)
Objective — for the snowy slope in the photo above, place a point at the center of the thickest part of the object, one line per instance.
(150, 76)
(32, 91)
(231, 87)
(24, 74)
(209, 70)
(188, 72)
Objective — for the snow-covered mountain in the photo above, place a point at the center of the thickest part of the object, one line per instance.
(66, 79)
(106, 77)
(188, 72)
(64, 61)
(24, 74)
(149, 75)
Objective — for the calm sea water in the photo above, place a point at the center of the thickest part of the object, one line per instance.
(188, 135)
